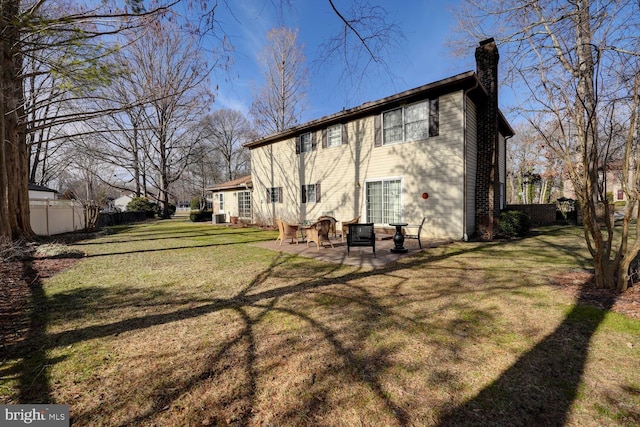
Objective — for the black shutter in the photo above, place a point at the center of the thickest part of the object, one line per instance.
(298, 144)
(303, 192)
(377, 126)
(318, 193)
(324, 138)
(314, 143)
(434, 117)
(345, 136)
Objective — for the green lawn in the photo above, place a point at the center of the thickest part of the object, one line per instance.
(176, 323)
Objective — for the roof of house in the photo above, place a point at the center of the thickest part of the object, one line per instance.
(236, 184)
(36, 187)
(468, 80)
(124, 197)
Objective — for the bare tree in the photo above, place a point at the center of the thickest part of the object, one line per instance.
(522, 154)
(206, 169)
(279, 102)
(225, 131)
(366, 39)
(116, 138)
(81, 37)
(533, 170)
(43, 102)
(576, 62)
(171, 74)
(73, 51)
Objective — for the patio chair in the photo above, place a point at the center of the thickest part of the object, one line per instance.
(361, 235)
(345, 226)
(413, 231)
(332, 228)
(318, 232)
(286, 231)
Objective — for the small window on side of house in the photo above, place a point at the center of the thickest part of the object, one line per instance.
(306, 142)
(334, 135)
(310, 193)
(392, 126)
(274, 195)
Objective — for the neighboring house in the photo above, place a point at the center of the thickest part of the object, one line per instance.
(614, 182)
(109, 205)
(232, 199)
(40, 192)
(121, 202)
(436, 151)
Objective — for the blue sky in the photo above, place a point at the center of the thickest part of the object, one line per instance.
(424, 57)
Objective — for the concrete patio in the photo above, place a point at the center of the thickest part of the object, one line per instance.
(360, 257)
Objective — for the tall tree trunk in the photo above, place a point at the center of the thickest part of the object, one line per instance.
(164, 176)
(9, 10)
(14, 171)
(588, 130)
(5, 230)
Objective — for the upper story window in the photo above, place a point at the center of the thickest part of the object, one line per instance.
(305, 143)
(416, 121)
(405, 124)
(392, 124)
(334, 135)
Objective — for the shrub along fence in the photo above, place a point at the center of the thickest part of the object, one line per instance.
(119, 218)
(539, 214)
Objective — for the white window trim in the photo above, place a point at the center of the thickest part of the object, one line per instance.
(339, 143)
(238, 196)
(306, 189)
(302, 150)
(384, 178)
(404, 136)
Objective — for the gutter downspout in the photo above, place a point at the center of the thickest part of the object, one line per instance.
(506, 169)
(465, 95)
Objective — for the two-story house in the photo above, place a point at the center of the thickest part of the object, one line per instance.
(436, 151)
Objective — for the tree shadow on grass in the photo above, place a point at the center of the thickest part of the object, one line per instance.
(175, 248)
(32, 370)
(541, 386)
(180, 234)
(546, 379)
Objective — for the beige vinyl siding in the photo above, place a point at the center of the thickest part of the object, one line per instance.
(472, 166)
(434, 166)
(333, 167)
(273, 166)
(230, 203)
(343, 170)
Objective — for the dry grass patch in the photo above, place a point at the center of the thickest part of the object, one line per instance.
(175, 323)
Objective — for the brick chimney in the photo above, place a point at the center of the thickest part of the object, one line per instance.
(487, 175)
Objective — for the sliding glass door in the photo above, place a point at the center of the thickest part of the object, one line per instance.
(384, 201)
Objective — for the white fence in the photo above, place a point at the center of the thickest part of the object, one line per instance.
(49, 216)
